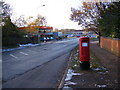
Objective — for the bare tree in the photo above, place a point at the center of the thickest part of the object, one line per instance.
(40, 21)
(87, 16)
(4, 9)
(20, 22)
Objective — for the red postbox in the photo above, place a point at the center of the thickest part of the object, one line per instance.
(84, 52)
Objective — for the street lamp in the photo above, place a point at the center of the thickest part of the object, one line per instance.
(38, 28)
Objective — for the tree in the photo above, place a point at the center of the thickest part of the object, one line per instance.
(10, 35)
(88, 15)
(102, 18)
(33, 26)
(109, 24)
(4, 11)
(30, 23)
(20, 22)
(40, 21)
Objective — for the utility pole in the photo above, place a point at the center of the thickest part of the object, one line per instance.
(38, 33)
(38, 36)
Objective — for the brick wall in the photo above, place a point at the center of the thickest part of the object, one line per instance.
(111, 44)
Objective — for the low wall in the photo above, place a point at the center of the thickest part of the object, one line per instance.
(111, 44)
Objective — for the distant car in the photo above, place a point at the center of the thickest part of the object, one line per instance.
(78, 36)
(51, 38)
(45, 38)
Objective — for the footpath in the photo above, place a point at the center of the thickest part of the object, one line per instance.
(109, 61)
(103, 75)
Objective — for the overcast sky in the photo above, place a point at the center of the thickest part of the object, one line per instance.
(56, 12)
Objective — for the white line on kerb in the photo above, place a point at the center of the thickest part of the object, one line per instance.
(23, 53)
(13, 56)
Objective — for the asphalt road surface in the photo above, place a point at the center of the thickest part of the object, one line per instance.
(37, 67)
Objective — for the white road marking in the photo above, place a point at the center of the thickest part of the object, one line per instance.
(13, 56)
(23, 53)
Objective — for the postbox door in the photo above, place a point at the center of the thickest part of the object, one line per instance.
(84, 50)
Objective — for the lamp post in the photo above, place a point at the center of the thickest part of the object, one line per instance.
(38, 28)
(38, 36)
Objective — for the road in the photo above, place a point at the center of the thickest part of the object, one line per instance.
(37, 67)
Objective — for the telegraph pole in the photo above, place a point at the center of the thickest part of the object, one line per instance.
(38, 34)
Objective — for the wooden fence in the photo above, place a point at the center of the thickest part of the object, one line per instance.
(111, 44)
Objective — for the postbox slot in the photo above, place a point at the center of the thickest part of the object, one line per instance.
(84, 40)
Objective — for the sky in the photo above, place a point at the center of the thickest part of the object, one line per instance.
(56, 12)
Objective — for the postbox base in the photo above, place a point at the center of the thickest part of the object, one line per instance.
(85, 65)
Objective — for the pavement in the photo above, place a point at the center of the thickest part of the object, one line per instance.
(108, 60)
(105, 76)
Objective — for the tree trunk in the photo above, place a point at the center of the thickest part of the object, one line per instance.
(99, 37)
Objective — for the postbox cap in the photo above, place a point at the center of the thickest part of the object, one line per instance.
(84, 38)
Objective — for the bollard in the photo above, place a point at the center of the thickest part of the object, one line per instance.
(84, 52)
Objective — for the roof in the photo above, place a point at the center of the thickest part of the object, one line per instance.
(40, 27)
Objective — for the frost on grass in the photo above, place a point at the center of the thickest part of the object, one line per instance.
(67, 88)
(30, 44)
(75, 65)
(69, 83)
(70, 74)
(20, 47)
(100, 86)
(11, 49)
(106, 72)
(101, 70)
